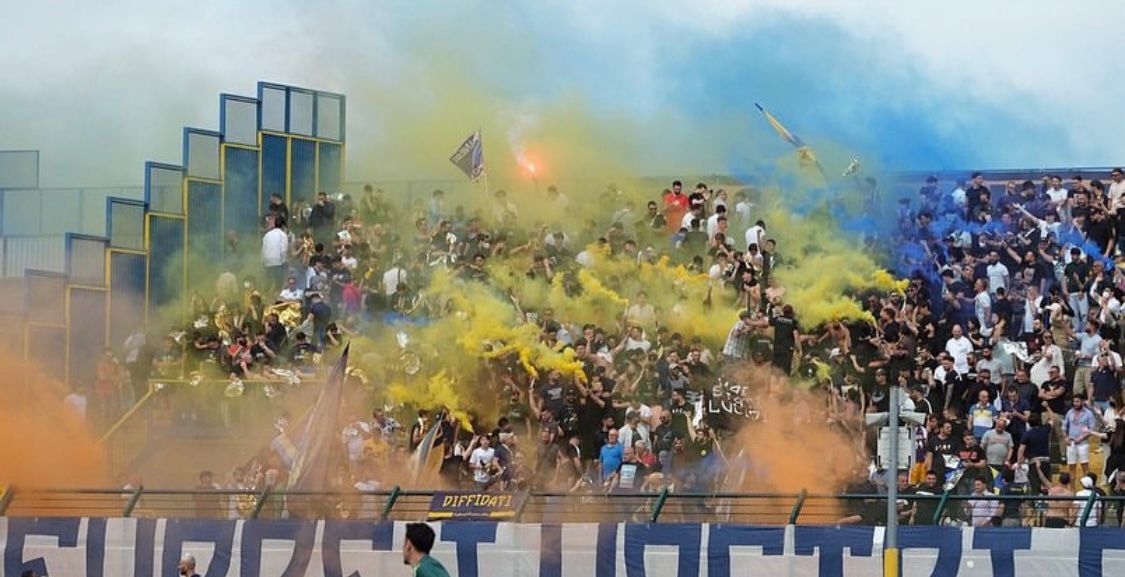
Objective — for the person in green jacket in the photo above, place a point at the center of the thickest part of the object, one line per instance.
(416, 551)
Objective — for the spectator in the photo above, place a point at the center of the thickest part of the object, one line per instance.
(1078, 426)
(982, 511)
(275, 252)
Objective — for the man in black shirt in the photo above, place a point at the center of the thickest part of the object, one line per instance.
(1035, 450)
(924, 508)
(681, 413)
(1053, 392)
(786, 339)
(939, 447)
(322, 219)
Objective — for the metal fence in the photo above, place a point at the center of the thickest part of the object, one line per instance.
(537, 507)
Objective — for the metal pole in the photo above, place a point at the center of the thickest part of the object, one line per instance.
(890, 541)
(396, 491)
(659, 506)
(133, 500)
(795, 512)
(6, 498)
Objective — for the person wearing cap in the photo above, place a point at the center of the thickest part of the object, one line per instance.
(416, 551)
(187, 566)
(1089, 487)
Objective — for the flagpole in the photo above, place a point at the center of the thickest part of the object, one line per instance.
(485, 171)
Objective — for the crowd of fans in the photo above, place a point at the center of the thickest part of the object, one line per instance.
(1006, 339)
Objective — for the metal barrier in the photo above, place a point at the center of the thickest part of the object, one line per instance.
(198, 411)
(398, 504)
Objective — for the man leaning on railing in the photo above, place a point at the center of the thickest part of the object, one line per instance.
(981, 510)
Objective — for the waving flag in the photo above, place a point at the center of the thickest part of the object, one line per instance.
(804, 153)
(319, 434)
(422, 462)
(470, 157)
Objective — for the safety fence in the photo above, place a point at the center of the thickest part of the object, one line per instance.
(667, 506)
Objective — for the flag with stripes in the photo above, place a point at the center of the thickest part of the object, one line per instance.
(425, 460)
(319, 435)
(804, 152)
(469, 157)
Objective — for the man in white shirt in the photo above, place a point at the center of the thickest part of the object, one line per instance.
(275, 251)
(1116, 188)
(291, 293)
(959, 196)
(982, 304)
(392, 278)
(1056, 195)
(713, 221)
(998, 275)
(756, 234)
(958, 346)
(742, 207)
(696, 212)
(480, 461)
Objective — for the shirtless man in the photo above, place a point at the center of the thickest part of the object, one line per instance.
(1059, 513)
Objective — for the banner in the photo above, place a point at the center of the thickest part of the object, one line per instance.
(145, 547)
(475, 505)
(470, 157)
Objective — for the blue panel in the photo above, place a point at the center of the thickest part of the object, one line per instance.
(330, 177)
(205, 228)
(126, 296)
(45, 346)
(166, 264)
(87, 323)
(240, 201)
(303, 166)
(273, 167)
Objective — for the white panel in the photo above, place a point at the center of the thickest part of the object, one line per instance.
(301, 112)
(167, 192)
(21, 212)
(203, 156)
(128, 226)
(87, 262)
(38, 252)
(328, 117)
(61, 210)
(19, 168)
(273, 109)
(240, 122)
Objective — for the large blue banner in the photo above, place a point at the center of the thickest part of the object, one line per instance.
(151, 547)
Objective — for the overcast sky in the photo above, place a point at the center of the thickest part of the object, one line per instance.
(99, 87)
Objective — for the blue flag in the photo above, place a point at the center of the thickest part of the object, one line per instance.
(470, 157)
(319, 434)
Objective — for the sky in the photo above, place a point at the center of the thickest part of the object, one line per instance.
(656, 87)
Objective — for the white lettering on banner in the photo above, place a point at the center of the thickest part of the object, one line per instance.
(112, 547)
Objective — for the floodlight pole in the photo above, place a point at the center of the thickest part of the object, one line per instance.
(890, 540)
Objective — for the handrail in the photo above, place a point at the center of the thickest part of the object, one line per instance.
(543, 494)
(128, 415)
